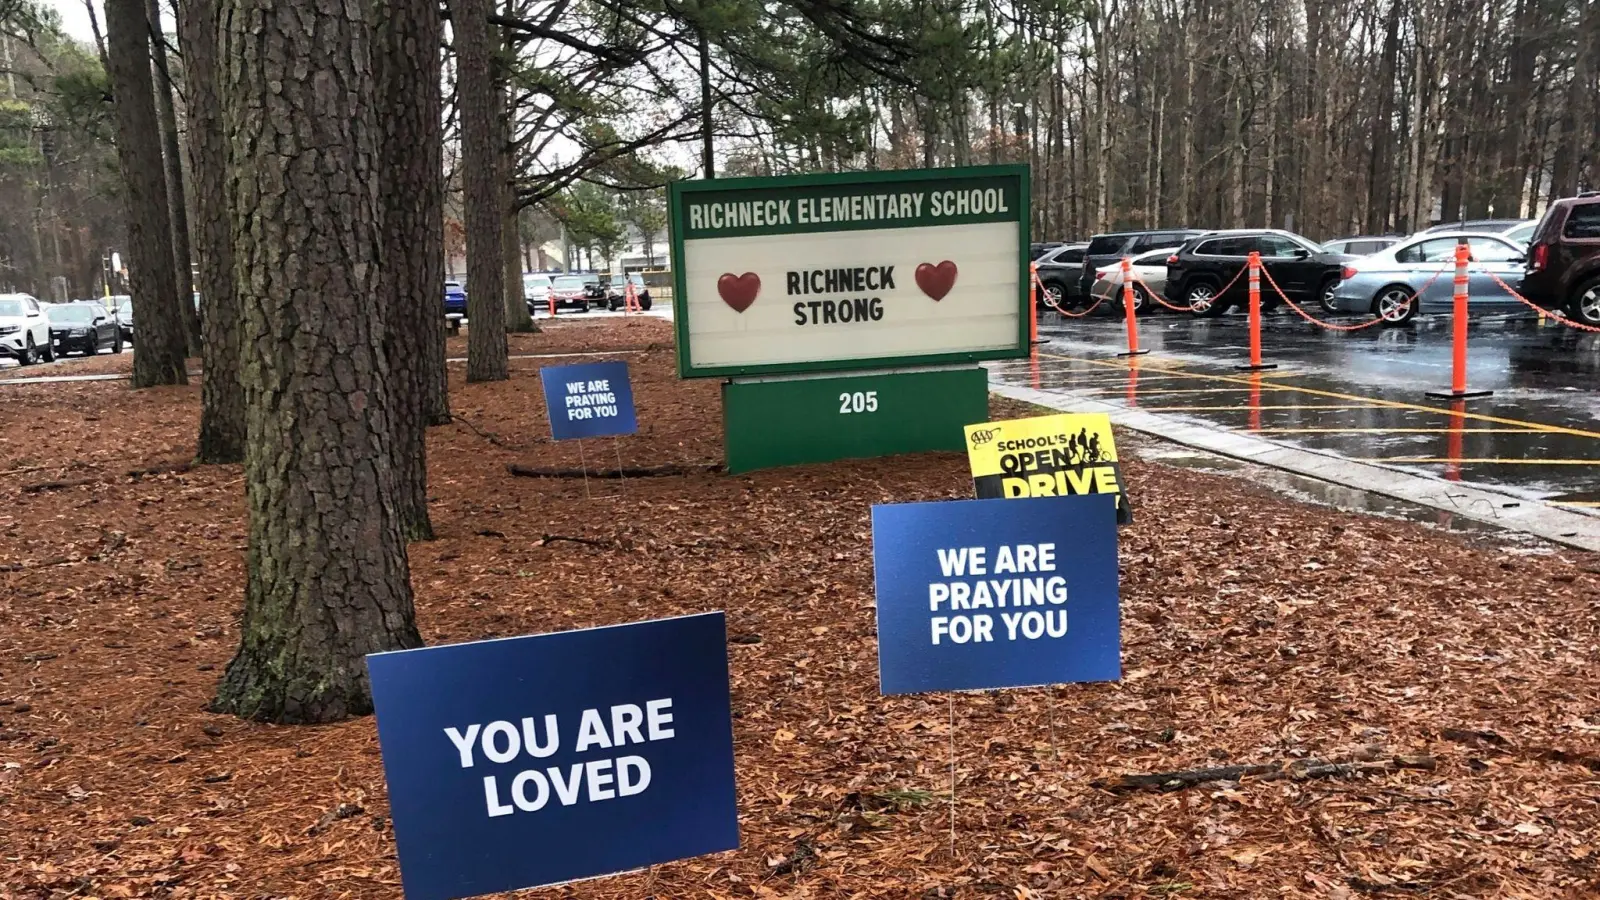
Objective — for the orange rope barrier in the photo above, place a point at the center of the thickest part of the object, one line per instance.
(1557, 316)
(1039, 285)
(1414, 298)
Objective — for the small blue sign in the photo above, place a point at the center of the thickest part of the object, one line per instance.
(589, 400)
(534, 760)
(982, 594)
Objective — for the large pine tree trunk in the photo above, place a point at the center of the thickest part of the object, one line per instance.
(412, 280)
(222, 430)
(158, 355)
(326, 581)
(480, 174)
(177, 208)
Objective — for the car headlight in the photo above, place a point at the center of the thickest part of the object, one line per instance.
(10, 329)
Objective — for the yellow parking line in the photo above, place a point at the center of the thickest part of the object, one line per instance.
(1316, 392)
(1158, 391)
(1585, 503)
(1393, 431)
(1486, 461)
(1243, 407)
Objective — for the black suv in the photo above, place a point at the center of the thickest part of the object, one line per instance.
(1105, 249)
(1206, 265)
(1564, 258)
(1058, 274)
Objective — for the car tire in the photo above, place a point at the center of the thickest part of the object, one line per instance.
(1584, 307)
(48, 354)
(1325, 295)
(1386, 304)
(116, 343)
(1201, 297)
(1054, 296)
(644, 302)
(29, 352)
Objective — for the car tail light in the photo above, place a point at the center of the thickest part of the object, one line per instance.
(1172, 260)
(1347, 273)
(1541, 256)
(1101, 274)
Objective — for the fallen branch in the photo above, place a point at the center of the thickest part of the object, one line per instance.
(1295, 770)
(489, 436)
(165, 468)
(549, 539)
(667, 471)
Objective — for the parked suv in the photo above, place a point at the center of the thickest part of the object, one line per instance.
(24, 331)
(1110, 248)
(1206, 265)
(1059, 273)
(1564, 259)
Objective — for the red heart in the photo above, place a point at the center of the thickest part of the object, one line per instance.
(739, 291)
(936, 281)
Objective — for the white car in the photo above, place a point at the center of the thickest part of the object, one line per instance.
(1149, 269)
(24, 331)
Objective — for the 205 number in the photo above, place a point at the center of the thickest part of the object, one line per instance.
(858, 402)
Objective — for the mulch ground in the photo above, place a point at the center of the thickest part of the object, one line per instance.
(1257, 629)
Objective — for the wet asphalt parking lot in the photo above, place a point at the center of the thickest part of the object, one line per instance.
(1360, 395)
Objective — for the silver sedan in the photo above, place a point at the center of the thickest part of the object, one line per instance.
(1149, 270)
(1424, 266)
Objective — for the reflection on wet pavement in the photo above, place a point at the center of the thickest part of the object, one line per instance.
(1360, 394)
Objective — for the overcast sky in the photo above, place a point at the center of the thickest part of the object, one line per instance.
(75, 19)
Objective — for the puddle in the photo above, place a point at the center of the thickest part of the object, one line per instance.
(1312, 490)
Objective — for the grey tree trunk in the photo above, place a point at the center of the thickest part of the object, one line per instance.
(478, 102)
(158, 354)
(326, 580)
(177, 204)
(411, 284)
(517, 317)
(222, 430)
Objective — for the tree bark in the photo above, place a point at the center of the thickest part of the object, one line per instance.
(326, 580)
(478, 102)
(158, 355)
(411, 283)
(222, 429)
(177, 203)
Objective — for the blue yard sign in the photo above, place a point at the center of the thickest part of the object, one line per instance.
(589, 400)
(978, 594)
(529, 761)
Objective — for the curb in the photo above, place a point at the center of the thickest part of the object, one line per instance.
(1500, 508)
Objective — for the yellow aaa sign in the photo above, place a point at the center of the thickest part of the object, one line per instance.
(1047, 456)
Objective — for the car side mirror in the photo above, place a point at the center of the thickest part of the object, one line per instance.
(1519, 258)
(1299, 253)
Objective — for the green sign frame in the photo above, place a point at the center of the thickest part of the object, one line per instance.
(799, 187)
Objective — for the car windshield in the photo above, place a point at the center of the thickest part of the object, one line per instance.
(637, 280)
(569, 283)
(125, 309)
(9, 307)
(535, 281)
(70, 313)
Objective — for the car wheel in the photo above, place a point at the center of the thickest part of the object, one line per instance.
(1396, 304)
(116, 343)
(1202, 300)
(644, 301)
(1325, 296)
(29, 354)
(48, 354)
(1585, 305)
(1054, 295)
